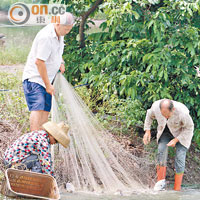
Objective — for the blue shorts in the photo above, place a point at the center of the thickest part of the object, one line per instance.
(36, 96)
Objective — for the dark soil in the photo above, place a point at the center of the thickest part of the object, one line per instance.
(191, 178)
(8, 134)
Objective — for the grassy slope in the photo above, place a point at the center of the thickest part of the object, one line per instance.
(17, 44)
(13, 106)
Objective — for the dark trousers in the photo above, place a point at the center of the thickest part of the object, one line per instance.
(31, 162)
(181, 151)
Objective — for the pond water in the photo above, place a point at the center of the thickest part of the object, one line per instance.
(164, 195)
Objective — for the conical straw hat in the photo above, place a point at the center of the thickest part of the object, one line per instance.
(58, 131)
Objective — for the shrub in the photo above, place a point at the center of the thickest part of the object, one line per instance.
(148, 52)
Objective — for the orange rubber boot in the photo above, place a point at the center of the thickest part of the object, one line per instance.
(178, 181)
(161, 172)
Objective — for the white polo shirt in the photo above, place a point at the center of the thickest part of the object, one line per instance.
(48, 48)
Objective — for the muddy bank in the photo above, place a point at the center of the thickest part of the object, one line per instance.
(11, 68)
(8, 134)
(191, 178)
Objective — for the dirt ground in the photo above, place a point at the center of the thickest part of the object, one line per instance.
(8, 134)
(191, 175)
(11, 68)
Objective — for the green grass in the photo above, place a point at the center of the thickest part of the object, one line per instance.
(13, 106)
(13, 55)
(19, 41)
(17, 45)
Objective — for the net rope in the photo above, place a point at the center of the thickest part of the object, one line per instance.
(94, 161)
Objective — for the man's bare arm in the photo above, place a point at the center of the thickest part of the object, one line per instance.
(43, 73)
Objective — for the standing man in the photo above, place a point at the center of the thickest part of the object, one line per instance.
(44, 61)
(175, 129)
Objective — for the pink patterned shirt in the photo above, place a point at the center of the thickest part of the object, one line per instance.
(36, 142)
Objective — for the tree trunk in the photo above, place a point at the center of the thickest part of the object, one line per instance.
(84, 17)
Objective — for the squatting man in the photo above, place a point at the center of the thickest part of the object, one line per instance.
(175, 129)
(32, 150)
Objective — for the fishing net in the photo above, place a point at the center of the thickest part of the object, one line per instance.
(94, 161)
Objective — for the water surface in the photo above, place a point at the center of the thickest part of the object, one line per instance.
(165, 195)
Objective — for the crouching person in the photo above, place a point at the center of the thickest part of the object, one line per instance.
(32, 150)
(175, 129)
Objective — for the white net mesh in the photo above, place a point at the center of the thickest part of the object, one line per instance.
(94, 160)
